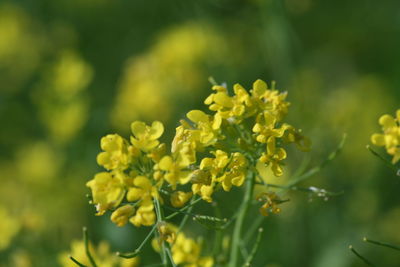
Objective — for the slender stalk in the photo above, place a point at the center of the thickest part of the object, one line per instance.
(367, 262)
(138, 250)
(255, 248)
(76, 262)
(237, 231)
(381, 244)
(160, 218)
(86, 241)
(385, 161)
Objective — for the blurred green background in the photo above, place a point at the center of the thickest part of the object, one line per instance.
(72, 71)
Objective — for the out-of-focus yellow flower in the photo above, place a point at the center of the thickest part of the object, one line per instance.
(167, 232)
(117, 153)
(60, 96)
(108, 191)
(146, 137)
(21, 47)
(121, 215)
(271, 201)
(179, 198)
(185, 251)
(101, 255)
(9, 227)
(169, 72)
(390, 138)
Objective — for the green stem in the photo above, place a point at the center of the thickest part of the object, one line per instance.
(86, 242)
(237, 231)
(381, 244)
(138, 250)
(76, 262)
(367, 262)
(160, 219)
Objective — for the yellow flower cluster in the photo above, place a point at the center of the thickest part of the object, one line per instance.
(134, 182)
(390, 138)
(185, 251)
(209, 152)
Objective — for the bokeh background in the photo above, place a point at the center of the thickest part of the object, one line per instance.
(72, 71)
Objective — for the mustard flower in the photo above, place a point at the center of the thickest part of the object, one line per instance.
(390, 138)
(271, 201)
(273, 156)
(179, 198)
(107, 190)
(145, 214)
(117, 153)
(121, 215)
(174, 171)
(207, 125)
(146, 137)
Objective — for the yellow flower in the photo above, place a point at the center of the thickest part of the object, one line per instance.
(117, 154)
(273, 156)
(187, 251)
(142, 189)
(145, 214)
(235, 173)
(121, 215)
(175, 172)
(107, 190)
(146, 137)
(265, 127)
(167, 232)
(208, 126)
(179, 198)
(390, 137)
(271, 201)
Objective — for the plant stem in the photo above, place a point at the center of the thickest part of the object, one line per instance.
(237, 231)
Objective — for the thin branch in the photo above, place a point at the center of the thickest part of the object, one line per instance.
(138, 250)
(86, 241)
(76, 262)
(381, 244)
(255, 248)
(385, 161)
(360, 257)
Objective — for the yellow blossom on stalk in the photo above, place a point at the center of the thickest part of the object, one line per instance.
(145, 214)
(107, 190)
(390, 138)
(143, 191)
(266, 127)
(207, 125)
(273, 156)
(146, 137)
(271, 201)
(174, 171)
(269, 99)
(117, 153)
(121, 215)
(179, 198)
(167, 232)
(101, 255)
(235, 173)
